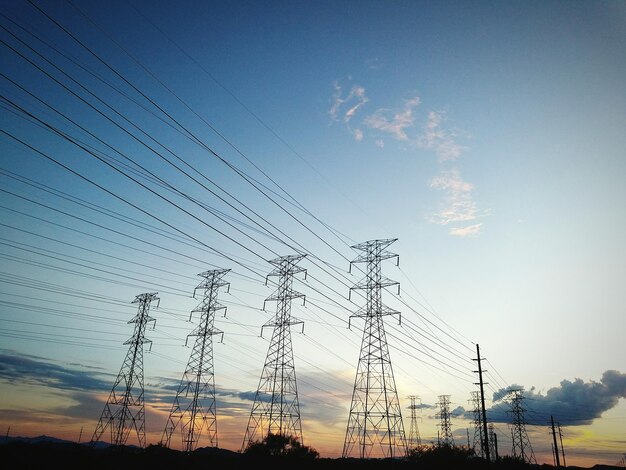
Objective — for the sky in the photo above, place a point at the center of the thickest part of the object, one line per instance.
(144, 143)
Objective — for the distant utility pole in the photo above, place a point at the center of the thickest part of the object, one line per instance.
(521, 444)
(194, 408)
(414, 439)
(375, 420)
(556, 447)
(493, 443)
(276, 409)
(125, 407)
(80, 434)
(445, 423)
(562, 448)
(485, 443)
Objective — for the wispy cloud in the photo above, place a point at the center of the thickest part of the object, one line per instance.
(458, 205)
(398, 122)
(358, 135)
(345, 108)
(380, 143)
(469, 231)
(35, 370)
(442, 141)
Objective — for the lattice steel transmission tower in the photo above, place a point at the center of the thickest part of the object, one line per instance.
(414, 439)
(445, 434)
(521, 444)
(375, 421)
(194, 408)
(478, 423)
(276, 409)
(125, 407)
(493, 443)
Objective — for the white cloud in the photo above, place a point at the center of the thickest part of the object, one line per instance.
(396, 125)
(459, 205)
(334, 109)
(358, 135)
(469, 231)
(353, 101)
(441, 141)
(380, 143)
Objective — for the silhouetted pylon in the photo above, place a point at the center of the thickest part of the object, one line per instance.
(194, 408)
(414, 439)
(375, 421)
(125, 407)
(276, 409)
(478, 423)
(521, 444)
(445, 424)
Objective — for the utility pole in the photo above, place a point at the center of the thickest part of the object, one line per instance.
(494, 437)
(556, 447)
(562, 448)
(375, 421)
(276, 409)
(80, 434)
(485, 444)
(194, 408)
(125, 407)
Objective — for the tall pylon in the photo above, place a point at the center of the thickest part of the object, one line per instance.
(414, 439)
(194, 408)
(375, 425)
(125, 407)
(478, 423)
(276, 409)
(521, 444)
(445, 424)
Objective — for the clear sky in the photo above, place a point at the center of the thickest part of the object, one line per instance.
(488, 137)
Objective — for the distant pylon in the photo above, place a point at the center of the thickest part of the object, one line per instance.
(375, 421)
(445, 423)
(521, 444)
(194, 407)
(125, 407)
(493, 443)
(478, 423)
(414, 439)
(276, 409)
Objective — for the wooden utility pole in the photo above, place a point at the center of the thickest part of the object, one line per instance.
(556, 447)
(482, 403)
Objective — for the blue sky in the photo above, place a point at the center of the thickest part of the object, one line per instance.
(487, 137)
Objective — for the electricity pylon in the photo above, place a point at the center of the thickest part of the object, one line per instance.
(276, 409)
(493, 443)
(478, 423)
(445, 436)
(521, 444)
(414, 439)
(194, 408)
(125, 407)
(375, 421)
